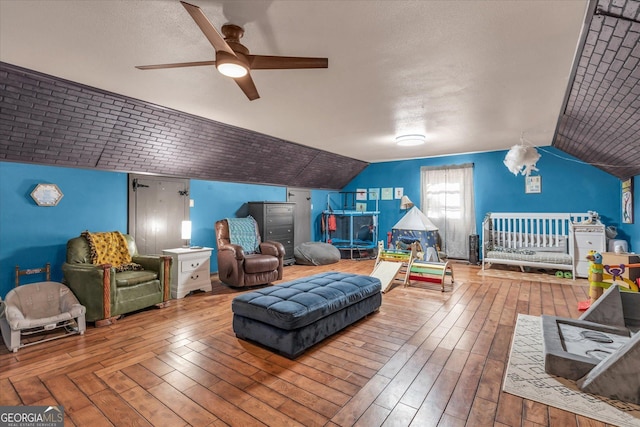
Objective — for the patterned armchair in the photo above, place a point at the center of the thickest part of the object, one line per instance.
(110, 278)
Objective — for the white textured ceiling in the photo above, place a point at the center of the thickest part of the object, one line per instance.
(470, 75)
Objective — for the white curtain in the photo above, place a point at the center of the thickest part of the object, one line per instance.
(447, 200)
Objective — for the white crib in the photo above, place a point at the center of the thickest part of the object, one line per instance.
(543, 240)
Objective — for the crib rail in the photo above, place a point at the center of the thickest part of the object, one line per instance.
(535, 231)
(529, 230)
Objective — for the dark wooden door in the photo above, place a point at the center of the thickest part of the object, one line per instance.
(302, 226)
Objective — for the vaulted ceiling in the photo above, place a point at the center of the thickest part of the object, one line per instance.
(471, 76)
(600, 123)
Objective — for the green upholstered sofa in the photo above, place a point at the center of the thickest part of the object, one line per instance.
(108, 294)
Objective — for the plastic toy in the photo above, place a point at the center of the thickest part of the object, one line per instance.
(596, 276)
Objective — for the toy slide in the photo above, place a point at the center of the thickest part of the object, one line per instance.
(386, 271)
(393, 266)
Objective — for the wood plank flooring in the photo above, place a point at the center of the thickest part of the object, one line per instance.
(427, 358)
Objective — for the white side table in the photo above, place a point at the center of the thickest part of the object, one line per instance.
(189, 270)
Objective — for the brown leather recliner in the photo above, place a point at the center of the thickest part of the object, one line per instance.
(239, 268)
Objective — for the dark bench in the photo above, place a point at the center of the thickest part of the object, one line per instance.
(293, 316)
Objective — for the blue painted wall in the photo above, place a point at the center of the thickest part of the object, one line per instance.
(568, 185)
(31, 235)
(217, 200)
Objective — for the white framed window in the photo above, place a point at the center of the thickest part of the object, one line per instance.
(447, 200)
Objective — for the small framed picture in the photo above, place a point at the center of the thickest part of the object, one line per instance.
(627, 201)
(386, 193)
(361, 194)
(374, 193)
(398, 192)
(533, 184)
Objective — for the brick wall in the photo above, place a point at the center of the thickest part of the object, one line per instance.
(601, 122)
(47, 120)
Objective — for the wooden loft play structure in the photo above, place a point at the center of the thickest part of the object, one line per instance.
(394, 266)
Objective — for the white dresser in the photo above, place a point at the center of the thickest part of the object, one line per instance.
(189, 270)
(587, 237)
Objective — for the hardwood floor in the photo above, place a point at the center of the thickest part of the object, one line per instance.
(427, 358)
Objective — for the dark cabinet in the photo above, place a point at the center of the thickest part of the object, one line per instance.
(275, 222)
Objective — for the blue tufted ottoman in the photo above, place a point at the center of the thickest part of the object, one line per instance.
(293, 316)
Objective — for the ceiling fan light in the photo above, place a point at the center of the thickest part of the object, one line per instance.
(410, 140)
(231, 65)
(230, 69)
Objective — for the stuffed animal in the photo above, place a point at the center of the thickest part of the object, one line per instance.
(596, 271)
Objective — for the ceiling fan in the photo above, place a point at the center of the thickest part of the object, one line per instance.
(233, 59)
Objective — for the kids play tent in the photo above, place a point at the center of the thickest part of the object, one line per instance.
(415, 227)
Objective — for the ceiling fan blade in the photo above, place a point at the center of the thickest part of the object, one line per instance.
(248, 87)
(214, 37)
(175, 65)
(266, 62)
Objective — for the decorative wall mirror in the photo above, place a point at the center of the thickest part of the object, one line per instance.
(46, 194)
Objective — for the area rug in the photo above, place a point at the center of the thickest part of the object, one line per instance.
(514, 273)
(525, 377)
